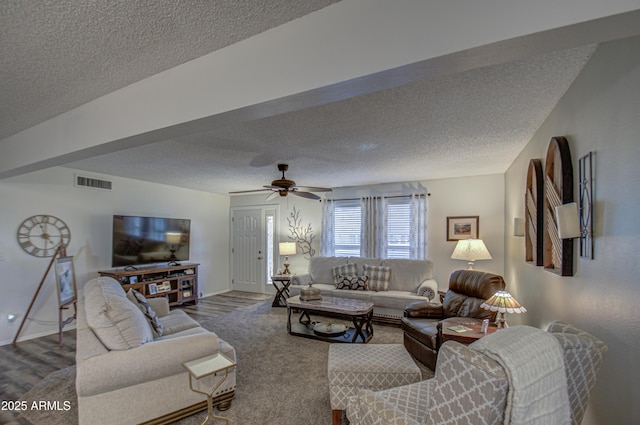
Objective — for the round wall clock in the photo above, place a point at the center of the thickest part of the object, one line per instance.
(41, 235)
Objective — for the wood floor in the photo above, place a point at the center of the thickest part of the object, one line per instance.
(25, 364)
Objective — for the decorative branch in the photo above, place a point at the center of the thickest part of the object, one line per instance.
(303, 236)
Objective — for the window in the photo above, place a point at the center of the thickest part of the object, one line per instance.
(398, 228)
(347, 224)
(391, 227)
(270, 239)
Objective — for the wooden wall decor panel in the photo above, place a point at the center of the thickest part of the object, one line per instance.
(534, 214)
(558, 190)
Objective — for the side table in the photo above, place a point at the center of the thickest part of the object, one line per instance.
(281, 282)
(206, 366)
(448, 331)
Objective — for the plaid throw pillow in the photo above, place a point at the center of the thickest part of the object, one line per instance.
(355, 283)
(379, 277)
(348, 270)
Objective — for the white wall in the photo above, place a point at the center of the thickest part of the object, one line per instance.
(466, 196)
(599, 113)
(88, 213)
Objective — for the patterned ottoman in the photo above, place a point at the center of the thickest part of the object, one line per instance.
(371, 366)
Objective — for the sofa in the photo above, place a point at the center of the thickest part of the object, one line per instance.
(129, 357)
(390, 284)
(468, 289)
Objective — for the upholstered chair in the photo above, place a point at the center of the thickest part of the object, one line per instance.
(520, 373)
(468, 289)
(583, 355)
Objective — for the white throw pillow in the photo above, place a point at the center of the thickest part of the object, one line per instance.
(116, 321)
(379, 277)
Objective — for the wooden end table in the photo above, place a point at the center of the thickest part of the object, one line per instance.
(206, 366)
(465, 337)
(281, 282)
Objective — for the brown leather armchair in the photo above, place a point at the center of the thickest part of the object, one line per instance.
(468, 289)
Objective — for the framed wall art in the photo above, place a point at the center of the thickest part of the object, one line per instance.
(66, 281)
(465, 227)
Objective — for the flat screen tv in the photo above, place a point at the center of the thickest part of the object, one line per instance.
(146, 240)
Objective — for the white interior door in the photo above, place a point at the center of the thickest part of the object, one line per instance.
(248, 250)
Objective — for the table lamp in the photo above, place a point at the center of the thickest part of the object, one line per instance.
(503, 302)
(471, 250)
(286, 249)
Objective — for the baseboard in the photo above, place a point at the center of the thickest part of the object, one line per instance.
(189, 410)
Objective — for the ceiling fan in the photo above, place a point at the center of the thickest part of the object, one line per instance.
(284, 186)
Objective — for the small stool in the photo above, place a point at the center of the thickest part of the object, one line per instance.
(370, 366)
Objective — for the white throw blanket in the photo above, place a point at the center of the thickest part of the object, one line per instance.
(533, 362)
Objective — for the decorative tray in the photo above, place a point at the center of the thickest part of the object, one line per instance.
(329, 329)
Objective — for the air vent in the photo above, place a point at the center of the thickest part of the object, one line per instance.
(93, 183)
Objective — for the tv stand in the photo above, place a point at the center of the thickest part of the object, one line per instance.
(179, 283)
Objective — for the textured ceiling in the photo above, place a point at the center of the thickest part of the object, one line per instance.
(60, 54)
(471, 123)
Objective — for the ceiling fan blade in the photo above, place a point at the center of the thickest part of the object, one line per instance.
(271, 196)
(315, 189)
(308, 195)
(249, 191)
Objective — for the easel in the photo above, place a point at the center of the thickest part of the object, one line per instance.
(60, 252)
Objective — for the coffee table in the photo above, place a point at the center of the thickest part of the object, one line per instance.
(359, 312)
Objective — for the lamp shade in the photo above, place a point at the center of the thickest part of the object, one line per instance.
(172, 238)
(287, 248)
(568, 221)
(503, 302)
(471, 250)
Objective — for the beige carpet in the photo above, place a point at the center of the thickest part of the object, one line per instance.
(281, 379)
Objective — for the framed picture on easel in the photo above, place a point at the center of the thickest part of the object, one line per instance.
(66, 281)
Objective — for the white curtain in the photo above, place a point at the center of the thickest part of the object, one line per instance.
(374, 227)
(327, 235)
(418, 242)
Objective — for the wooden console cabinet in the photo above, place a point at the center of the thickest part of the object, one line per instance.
(178, 283)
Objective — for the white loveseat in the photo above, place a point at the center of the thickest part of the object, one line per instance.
(410, 280)
(126, 373)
